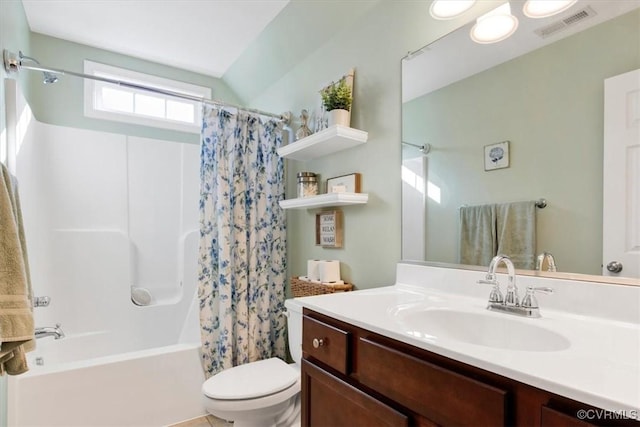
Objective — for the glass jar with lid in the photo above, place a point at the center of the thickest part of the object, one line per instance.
(307, 184)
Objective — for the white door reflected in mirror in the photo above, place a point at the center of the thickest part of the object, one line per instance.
(621, 186)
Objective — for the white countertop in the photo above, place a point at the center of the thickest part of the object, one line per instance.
(600, 365)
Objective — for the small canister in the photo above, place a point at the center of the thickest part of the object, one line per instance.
(307, 184)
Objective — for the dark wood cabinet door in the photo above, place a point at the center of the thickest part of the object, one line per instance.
(331, 402)
(444, 396)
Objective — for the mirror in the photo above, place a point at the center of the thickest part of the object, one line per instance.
(542, 93)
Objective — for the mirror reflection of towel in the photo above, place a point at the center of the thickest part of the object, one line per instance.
(478, 242)
(506, 228)
(516, 231)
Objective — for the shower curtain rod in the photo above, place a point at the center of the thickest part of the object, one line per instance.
(12, 64)
(425, 149)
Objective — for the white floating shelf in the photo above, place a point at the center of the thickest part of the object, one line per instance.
(333, 139)
(324, 200)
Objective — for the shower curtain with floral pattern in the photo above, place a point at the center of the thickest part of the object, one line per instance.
(242, 253)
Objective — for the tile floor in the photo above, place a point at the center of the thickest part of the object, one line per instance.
(206, 421)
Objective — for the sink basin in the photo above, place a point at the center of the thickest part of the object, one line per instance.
(484, 329)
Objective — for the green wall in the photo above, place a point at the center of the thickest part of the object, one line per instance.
(374, 44)
(298, 30)
(549, 104)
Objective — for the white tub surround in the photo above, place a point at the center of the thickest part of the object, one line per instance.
(586, 345)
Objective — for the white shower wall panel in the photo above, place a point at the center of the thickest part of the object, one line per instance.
(84, 175)
(190, 187)
(85, 199)
(155, 183)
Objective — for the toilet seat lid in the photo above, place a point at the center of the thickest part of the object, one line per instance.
(255, 379)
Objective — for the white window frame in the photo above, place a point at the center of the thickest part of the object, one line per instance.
(92, 94)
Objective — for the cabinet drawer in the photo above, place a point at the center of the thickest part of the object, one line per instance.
(440, 395)
(552, 418)
(326, 343)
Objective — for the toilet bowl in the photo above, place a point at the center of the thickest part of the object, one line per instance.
(264, 393)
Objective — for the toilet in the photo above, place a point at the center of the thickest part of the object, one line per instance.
(264, 393)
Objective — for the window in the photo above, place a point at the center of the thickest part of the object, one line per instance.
(130, 105)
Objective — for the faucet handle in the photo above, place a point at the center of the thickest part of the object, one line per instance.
(529, 300)
(41, 301)
(495, 296)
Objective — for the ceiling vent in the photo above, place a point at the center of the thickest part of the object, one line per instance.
(565, 23)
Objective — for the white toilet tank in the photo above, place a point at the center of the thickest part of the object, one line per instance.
(294, 328)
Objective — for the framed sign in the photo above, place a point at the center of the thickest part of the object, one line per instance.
(344, 184)
(496, 156)
(329, 229)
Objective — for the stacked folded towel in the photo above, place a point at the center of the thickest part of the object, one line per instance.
(16, 311)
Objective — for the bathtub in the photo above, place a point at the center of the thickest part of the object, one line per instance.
(153, 387)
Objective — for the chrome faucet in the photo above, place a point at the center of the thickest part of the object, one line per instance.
(551, 262)
(510, 303)
(490, 279)
(55, 332)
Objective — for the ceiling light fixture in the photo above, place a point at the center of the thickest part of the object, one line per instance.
(546, 8)
(449, 9)
(494, 26)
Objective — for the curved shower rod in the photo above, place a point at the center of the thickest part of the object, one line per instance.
(14, 63)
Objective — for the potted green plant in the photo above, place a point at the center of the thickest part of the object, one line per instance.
(337, 99)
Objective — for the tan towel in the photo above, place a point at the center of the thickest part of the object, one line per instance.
(516, 228)
(16, 311)
(477, 233)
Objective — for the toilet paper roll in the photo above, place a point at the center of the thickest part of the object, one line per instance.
(313, 272)
(329, 271)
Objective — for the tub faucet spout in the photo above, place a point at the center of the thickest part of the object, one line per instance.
(48, 331)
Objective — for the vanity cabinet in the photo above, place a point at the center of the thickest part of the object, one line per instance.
(354, 377)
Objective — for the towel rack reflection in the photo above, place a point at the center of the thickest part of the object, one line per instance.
(540, 203)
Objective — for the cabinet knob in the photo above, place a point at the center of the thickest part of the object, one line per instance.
(317, 342)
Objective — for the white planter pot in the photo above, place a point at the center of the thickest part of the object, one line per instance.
(339, 117)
